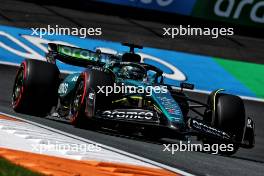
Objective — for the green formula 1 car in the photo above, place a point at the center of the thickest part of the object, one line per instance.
(128, 95)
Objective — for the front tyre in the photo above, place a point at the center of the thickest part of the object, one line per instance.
(229, 116)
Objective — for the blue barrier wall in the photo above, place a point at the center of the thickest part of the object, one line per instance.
(17, 44)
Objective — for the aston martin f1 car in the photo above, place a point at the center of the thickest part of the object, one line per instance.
(157, 110)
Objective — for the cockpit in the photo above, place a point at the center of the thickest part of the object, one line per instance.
(137, 71)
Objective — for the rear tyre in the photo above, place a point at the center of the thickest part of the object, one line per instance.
(35, 88)
(229, 117)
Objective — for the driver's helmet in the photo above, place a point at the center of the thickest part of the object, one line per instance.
(130, 72)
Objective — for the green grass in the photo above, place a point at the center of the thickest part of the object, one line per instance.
(9, 169)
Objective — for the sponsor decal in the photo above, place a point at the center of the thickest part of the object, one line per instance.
(195, 124)
(174, 6)
(129, 114)
(75, 78)
(78, 53)
(170, 105)
(244, 12)
(237, 8)
(63, 88)
(98, 68)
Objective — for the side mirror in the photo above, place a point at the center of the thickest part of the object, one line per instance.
(186, 86)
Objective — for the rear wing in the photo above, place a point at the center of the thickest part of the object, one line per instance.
(76, 56)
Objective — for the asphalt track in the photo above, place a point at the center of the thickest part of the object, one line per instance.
(245, 162)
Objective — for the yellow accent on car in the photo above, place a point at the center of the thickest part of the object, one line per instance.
(122, 99)
(216, 92)
(136, 97)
